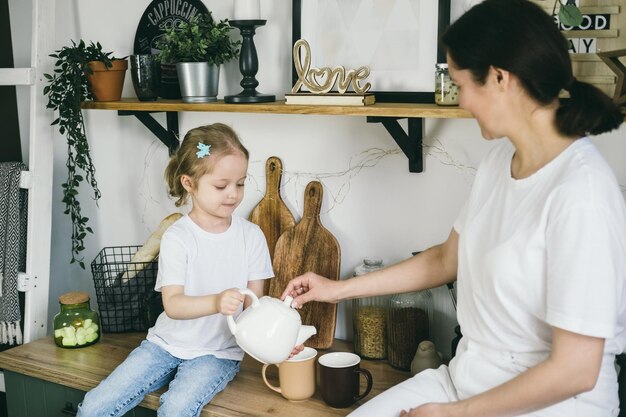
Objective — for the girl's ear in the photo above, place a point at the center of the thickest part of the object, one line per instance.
(186, 182)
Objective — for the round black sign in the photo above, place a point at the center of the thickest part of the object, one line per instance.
(160, 15)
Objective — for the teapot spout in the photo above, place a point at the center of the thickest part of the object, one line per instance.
(304, 334)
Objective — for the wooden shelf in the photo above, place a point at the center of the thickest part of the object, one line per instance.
(399, 110)
(386, 114)
(84, 368)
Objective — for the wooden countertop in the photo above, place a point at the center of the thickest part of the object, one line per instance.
(246, 395)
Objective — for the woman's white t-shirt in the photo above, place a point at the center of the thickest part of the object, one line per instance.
(547, 250)
(207, 263)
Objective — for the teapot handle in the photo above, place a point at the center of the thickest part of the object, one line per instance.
(255, 302)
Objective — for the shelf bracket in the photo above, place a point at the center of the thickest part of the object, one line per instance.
(410, 143)
(168, 136)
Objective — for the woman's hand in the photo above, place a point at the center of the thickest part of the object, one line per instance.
(428, 410)
(228, 301)
(310, 287)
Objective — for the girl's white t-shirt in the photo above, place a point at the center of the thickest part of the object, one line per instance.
(207, 263)
(547, 250)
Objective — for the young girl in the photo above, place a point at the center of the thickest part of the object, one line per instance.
(204, 256)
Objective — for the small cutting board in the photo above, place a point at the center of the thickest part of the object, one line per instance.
(271, 213)
(309, 246)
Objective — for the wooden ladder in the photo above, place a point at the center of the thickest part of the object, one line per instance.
(34, 281)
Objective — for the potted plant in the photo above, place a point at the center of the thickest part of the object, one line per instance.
(198, 48)
(78, 71)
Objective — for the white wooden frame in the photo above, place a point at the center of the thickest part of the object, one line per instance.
(35, 280)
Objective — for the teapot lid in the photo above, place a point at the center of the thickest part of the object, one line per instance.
(283, 307)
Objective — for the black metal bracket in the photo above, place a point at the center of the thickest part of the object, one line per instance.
(410, 143)
(168, 136)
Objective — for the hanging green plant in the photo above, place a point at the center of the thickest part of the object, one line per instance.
(67, 88)
(569, 13)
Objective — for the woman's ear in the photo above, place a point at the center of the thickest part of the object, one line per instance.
(186, 182)
(500, 76)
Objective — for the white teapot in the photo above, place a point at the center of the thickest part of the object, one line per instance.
(269, 329)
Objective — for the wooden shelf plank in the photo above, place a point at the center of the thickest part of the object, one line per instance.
(399, 110)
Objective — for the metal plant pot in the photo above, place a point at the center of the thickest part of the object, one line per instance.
(198, 81)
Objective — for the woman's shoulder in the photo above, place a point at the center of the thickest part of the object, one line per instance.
(584, 166)
(585, 178)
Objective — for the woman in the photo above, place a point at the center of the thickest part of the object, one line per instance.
(539, 249)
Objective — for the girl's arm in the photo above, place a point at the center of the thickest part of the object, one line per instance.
(572, 368)
(431, 268)
(179, 306)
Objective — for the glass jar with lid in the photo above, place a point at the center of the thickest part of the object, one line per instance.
(408, 324)
(76, 325)
(446, 91)
(369, 317)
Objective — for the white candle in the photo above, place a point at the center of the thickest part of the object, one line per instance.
(247, 9)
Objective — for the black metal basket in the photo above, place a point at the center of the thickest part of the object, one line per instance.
(127, 301)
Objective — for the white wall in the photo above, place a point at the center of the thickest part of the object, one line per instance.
(378, 209)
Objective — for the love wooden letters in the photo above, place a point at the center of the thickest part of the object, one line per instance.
(322, 80)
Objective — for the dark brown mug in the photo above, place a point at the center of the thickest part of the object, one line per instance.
(340, 379)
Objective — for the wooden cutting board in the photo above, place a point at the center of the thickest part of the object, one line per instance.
(309, 246)
(271, 213)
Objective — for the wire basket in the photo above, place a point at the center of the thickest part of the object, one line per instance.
(125, 292)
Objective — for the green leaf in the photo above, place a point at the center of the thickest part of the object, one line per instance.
(570, 15)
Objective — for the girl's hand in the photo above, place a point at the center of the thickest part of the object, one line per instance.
(228, 301)
(296, 350)
(310, 287)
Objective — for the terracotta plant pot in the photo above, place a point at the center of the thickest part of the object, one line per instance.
(106, 83)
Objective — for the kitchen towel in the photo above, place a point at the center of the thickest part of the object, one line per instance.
(13, 219)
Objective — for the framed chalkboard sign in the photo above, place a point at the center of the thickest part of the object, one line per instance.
(397, 39)
(158, 16)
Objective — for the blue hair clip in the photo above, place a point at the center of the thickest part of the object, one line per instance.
(204, 150)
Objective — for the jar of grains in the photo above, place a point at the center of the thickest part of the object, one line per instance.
(369, 318)
(446, 91)
(408, 318)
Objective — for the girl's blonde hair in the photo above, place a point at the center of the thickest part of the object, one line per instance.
(223, 141)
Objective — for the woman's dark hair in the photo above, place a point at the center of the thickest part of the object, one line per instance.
(520, 37)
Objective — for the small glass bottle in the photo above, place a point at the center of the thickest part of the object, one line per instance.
(369, 318)
(76, 325)
(446, 92)
(408, 324)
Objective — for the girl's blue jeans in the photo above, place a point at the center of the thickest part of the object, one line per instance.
(193, 383)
